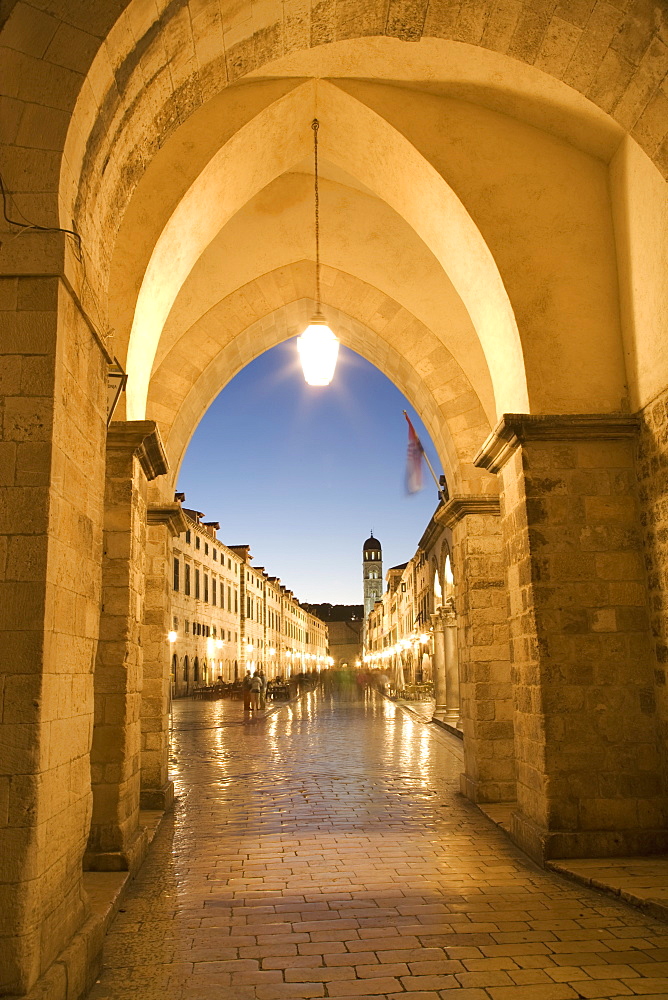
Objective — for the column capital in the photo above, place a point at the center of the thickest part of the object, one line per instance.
(515, 429)
(169, 514)
(448, 613)
(444, 616)
(140, 438)
(461, 505)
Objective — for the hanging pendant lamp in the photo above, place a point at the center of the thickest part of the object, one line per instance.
(318, 346)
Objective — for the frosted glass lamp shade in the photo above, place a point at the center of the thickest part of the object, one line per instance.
(318, 350)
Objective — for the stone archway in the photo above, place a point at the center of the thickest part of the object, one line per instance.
(100, 102)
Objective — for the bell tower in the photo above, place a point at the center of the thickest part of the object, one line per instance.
(372, 555)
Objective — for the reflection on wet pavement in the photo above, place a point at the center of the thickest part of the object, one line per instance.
(325, 851)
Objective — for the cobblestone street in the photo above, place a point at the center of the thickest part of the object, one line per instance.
(325, 851)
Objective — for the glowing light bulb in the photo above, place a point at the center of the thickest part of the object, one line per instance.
(318, 350)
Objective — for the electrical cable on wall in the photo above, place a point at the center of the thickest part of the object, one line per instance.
(116, 370)
(27, 226)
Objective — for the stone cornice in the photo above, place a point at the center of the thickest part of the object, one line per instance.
(140, 438)
(169, 514)
(515, 429)
(461, 505)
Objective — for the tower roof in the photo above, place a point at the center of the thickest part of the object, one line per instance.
(372, 543)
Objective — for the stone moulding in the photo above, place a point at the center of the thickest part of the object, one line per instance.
(514, 429)
(460, 505)
(169, 514)
(142, 439)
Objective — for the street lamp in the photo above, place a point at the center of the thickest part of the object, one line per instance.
(318, 346)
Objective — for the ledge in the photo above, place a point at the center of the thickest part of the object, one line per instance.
(515, 429)
(460, 506)
(169, 514)
(76, 968)
(140, 438)
(641, 882)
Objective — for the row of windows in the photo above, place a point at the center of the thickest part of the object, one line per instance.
(206, 631)
(205, 587)
(210, 590)
(198, 545)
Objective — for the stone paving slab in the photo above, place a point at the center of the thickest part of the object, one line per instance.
(326, 852)
(643, 882)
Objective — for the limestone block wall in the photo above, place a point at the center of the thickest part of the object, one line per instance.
(484, 659)
(133, 457)
(53, 409)
(164, 521)
(589, 779)
(652, 469)
(118, 671)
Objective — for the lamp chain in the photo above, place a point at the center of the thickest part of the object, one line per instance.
(315, 125)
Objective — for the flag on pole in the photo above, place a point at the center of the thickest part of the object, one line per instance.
(414, 455)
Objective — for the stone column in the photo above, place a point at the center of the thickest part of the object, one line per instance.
(134, 457)
(164, 522)
(438, 666)
(484, 652)
(53, 388)
(452, 699)
(589, 781)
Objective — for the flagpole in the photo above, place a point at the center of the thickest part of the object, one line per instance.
(430, 467)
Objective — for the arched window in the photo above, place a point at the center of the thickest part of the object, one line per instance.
(449, 578)
(186, 669)
(196, 671)
(438, 592)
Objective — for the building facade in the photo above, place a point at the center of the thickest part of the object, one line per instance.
(411, 631)
(205, 637)
(229, 616)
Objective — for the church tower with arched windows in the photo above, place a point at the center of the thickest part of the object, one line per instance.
(372, 572)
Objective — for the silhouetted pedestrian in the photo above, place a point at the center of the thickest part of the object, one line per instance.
(246, 689)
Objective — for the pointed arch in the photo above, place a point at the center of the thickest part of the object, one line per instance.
(271, 142)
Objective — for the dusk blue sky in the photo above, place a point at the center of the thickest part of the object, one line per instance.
(303, 474)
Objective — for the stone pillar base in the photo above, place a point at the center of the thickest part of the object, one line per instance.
(445, 724)
(128, 860)
(543, 845)
(157, 798)
(77, 967)
(488, 791)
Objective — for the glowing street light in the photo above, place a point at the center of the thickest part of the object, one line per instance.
(318, 350)
(318, 346)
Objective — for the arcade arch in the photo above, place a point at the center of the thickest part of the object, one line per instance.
(119, 118)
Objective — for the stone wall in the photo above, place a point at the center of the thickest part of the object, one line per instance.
(481, 603)
(345, 641)
(165, 520)
(134, 456)
(589, 781)
(652, 468)
(52, 375)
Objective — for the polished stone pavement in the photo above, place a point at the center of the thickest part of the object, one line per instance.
(325, 851)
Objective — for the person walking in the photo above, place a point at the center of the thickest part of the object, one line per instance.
(255, 691)
(246, 689)
(263, 689)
